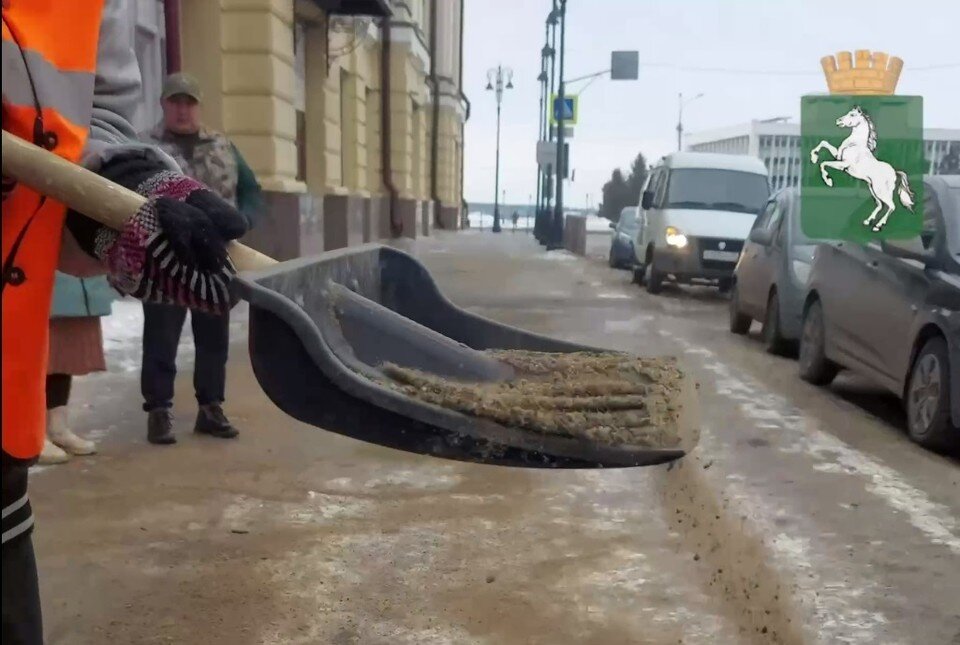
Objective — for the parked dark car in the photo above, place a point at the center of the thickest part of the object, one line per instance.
(624, 233)
(892, 312)
(770, 280)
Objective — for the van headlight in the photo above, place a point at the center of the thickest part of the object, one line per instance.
(675, 238)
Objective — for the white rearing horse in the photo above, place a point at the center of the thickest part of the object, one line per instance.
(855, 157)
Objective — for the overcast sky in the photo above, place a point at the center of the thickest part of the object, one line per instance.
(619, 119)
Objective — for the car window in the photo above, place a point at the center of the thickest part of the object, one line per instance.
(764, 217)
(780, 234)
(931, 231)
(776, 215)
(932, 217)
(658, 198)
(628, 219)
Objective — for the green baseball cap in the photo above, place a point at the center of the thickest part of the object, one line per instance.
(182, 83)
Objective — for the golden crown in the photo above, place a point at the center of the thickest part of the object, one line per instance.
(874, 73)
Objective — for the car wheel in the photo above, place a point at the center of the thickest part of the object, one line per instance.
(815, 367)
(653, 279)
(725, 285)
(739, 322)
(928, 398)
(638, 274)
(773, 340)
(612, 259)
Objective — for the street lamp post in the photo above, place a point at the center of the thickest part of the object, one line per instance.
(541, 135)
(556, 236)
(680, 105)
(498, 80)
(549, 51)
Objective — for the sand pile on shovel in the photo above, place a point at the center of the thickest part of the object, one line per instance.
(611, 398)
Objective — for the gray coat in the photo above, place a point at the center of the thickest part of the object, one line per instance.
(116, 92)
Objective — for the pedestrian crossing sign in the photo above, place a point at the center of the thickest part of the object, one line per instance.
(565, 110)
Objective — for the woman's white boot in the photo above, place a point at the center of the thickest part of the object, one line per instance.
(51, 454)
(58, 431)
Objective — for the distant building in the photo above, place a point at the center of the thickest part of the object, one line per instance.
(777, 143)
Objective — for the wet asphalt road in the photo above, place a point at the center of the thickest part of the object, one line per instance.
(805, 515)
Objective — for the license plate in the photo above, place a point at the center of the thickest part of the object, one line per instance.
(723, 256)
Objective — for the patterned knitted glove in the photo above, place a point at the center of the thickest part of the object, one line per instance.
(173, 250)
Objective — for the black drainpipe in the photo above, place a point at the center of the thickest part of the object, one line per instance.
(435, 143)
(171, 18)
(396, 226)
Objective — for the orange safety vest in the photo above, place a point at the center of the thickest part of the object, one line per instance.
(49, 65)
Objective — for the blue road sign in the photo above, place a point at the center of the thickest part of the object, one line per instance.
(566, 112)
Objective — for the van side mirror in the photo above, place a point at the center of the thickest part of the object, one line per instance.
(647, 200)
(761, 236)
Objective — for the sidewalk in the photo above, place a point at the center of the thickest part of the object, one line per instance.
(294, 535)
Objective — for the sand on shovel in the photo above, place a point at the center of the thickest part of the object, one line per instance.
(611, 398)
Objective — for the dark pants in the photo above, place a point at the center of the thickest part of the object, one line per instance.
(22, 623)
(162, 325)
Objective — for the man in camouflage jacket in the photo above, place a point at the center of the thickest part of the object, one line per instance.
(208, 156)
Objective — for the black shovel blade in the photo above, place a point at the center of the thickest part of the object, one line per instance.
(321, 326)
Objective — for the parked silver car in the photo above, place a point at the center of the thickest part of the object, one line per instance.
(892, 312)
(770, 279)
(621, 242)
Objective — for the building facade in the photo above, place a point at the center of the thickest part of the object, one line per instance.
(777, 143)
(350, 112)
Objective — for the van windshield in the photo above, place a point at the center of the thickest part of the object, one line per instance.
(715, 189)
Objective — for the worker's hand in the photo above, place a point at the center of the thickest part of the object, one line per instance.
(174, 249)
(142, 174)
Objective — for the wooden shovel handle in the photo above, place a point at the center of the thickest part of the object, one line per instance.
(87, 192)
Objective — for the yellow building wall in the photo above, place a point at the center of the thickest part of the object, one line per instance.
(200, 28)
(348, 127)
(448, 166)
(374, 133)
(242, 51)
(316, 107)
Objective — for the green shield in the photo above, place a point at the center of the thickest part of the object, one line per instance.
(890, 173)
